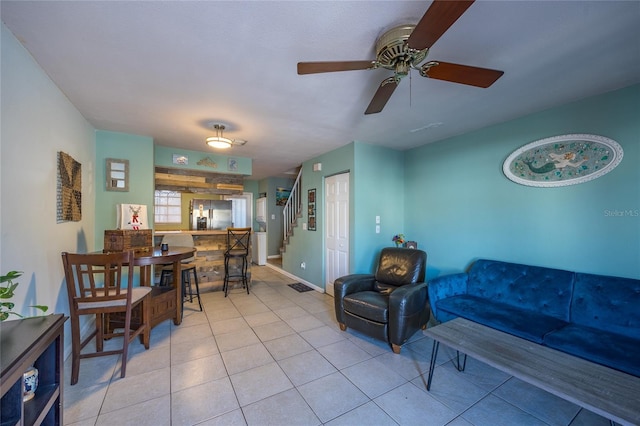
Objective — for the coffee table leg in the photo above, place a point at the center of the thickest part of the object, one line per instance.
(434, 355)
(464, 361)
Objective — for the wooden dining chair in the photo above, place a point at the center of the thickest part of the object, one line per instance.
(100, 284)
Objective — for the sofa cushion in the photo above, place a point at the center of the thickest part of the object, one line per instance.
(519, 322)
(607, 303)
(368, 304)
(543, 290)
(606, 348)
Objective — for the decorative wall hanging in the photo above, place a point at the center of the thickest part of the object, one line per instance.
(232, 164)
(117, 172)
(131, 216)
(282, 196)
(208, 162)
(312, 210)
(181, 160)
(69, 189)
(563, 160)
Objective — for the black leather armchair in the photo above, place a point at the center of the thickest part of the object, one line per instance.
(392, 304)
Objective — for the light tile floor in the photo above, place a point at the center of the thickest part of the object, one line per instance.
(277, 357)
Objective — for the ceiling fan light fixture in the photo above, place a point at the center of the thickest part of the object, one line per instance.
(219, 141)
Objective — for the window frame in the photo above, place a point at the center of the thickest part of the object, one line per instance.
(167, 196)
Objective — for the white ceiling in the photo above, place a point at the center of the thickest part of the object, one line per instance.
(167, 69)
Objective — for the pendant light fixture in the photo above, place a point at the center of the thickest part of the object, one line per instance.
(219, 141)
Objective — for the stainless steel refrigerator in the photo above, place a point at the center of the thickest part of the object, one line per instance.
(210, 214)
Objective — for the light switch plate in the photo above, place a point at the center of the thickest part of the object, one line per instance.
(377, 229)
(377, 219)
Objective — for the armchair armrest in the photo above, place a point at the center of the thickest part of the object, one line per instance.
(408, 311)
(347, 285)
(446, 286)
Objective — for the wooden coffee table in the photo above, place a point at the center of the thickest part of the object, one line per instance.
(605, 391)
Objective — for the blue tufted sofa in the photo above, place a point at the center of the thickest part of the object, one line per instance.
(594, 317)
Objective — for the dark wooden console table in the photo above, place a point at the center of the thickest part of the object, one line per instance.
(37, 342)
(605, 391)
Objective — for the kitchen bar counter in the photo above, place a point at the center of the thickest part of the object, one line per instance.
(209, 258)
(194, 233)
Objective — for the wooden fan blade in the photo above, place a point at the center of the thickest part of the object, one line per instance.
(317, 67)
(463, 74)
(436, 21)
(382, 95)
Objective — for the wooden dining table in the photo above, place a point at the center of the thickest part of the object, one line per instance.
(174, 256)
(166, 301)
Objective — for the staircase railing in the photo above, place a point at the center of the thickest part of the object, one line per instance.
(292, 208)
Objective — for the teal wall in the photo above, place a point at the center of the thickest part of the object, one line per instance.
(378, 190)
(163, 156)
(459, 206)
(139, 151)
(307, 246)
(275, 228)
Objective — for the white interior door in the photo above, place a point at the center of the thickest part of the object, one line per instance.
(336, 228)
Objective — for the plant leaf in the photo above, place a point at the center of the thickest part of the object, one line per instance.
(10, 276)
(7, 292)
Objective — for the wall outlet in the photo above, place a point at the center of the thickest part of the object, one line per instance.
(377, 229)
(303, 265)
(377, 219)
(304, 226)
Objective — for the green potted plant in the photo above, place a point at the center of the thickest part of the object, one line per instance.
(6, 293)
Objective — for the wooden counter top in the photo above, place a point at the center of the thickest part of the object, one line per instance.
(211, 232)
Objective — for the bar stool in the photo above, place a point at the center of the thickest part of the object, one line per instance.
(188, 267)
(237, 248)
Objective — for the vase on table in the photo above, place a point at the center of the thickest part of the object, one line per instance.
(29, 383)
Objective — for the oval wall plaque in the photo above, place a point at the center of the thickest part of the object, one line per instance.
(563, 160)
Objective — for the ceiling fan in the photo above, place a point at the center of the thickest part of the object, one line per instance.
(406, 46)
(221, 142)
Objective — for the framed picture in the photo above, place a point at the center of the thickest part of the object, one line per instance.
(412, 244)
(117, 171)
(232, 164)
(282, 195)
(311, 209)
(181, 160)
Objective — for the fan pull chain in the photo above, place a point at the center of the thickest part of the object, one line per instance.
(410, 90)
